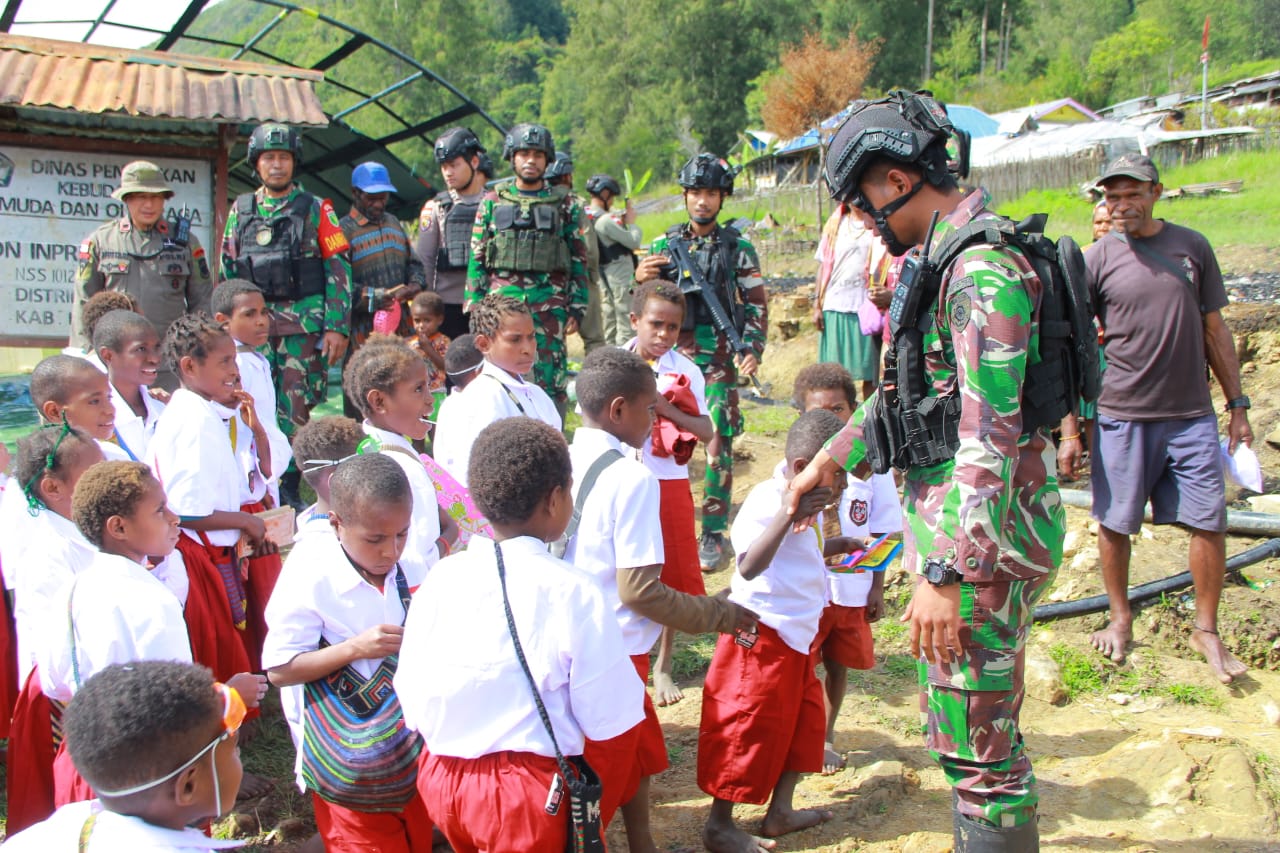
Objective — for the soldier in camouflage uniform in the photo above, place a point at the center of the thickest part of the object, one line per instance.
(729, 262)
(139, 255)
(527, 244)
(984, 529)
(289, 243)
(591, 329)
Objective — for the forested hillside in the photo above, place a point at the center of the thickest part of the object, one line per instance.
(642, 83)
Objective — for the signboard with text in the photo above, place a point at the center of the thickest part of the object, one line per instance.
(50, 201)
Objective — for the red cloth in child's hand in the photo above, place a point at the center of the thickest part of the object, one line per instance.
(669, 439)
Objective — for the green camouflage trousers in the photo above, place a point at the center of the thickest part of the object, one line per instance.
(301, 377)
(726, 417)
(550, 372)
(970, 706)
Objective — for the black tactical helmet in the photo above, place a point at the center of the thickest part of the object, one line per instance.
(562, 165)
(597, 184)
(274, 137)
(528, 137)
(486, 166)
(707, 171)
(909, 128)
(457, 142)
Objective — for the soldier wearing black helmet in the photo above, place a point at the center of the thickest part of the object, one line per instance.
(984, 522)
(444, 227)
(289, 243)
(729, 262)
(527, 244)
(619, 237)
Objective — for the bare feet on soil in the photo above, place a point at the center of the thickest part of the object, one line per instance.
(1113, 641)
(832, 761)
(1222, 662)
(253, 786)
(665, 691)
(720, 839)
(778, 823)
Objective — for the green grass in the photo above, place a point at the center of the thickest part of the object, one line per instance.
(788, 207)
(1191, 694)
(1248, 218)
(1081, 673)
(1268, 775)
(692, 656)
(900, 666)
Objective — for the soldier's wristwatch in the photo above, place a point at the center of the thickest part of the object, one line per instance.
(939, 573)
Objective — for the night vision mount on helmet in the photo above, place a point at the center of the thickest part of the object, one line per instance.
(274, 137)
(456, 142)
(707, 171)
(597, 184)
(528, 137)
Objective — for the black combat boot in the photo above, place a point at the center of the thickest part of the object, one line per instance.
(974, 835)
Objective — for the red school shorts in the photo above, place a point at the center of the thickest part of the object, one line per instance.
(844, 636)
(762, 715)
(681, 569)
(495, 803)
(346, 830)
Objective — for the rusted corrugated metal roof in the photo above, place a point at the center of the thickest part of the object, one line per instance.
(86, 78)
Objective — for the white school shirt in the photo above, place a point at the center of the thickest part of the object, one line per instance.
(320, 595)
(14, 526)
(665, 370)
(310, 522)
(866, 507)
(492, 395)
(56, 553)
(253, 486)
(255, 378)
(459, 682)
(112, 832)
(113, 452)
(420, 551)
(133, 433)
(791, 593)
(192, 458)
(619, 528)
(121, 613)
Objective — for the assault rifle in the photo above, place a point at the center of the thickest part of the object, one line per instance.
(690, 279)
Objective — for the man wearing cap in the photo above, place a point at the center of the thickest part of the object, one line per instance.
(527, 244)
(984, 523)
(1158, 294)
(444, 227)
(619, 237)
(384, 268)
(140, 254)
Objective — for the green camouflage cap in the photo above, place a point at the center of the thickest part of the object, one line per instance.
(142, 177)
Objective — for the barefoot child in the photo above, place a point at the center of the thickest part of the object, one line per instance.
(867, 508)
(762, 712)
(618, 543)
(388, 384)
(319, 446)
(239, 306)
(335, 619)
(427, 310)
(503, 329)
(127, 345)
(492, 762)
(157, 740)
(72, 389)
(194, 454)
(657, 311)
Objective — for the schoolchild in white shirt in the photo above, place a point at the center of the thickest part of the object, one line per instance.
(127, 344)
(867, 508)
(657, 312)
(462, 363)
(65, 388)
(387, 382)
(503, 329)
(193, 454)
(94, 309)
(491, 766)
(762, 710)
(239, 306)
(338, 611)
(158, 741)
(619, 542)
(116, 610)
(319, 446)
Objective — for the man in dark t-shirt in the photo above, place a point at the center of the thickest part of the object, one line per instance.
(1158, 293)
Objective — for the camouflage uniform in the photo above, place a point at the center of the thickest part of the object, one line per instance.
(591, 329)
(166, 279)
(300, 370)
(993, 512)
(553, 297)
(616, 276)
(709, 349)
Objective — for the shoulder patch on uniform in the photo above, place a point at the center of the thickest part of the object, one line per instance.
(85, 248)
(424, 218)
(960, 304)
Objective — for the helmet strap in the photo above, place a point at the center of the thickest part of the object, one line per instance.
(881, 217)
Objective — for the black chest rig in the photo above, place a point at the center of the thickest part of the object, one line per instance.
(271, 250)
(458, 218)
(907, 428)
(527, 233)
(716, 257)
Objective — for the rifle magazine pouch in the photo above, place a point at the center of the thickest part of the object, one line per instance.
(876, 436)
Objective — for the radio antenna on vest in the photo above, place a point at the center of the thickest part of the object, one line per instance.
(928, 239)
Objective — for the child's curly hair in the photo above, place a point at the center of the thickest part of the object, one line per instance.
(488, 313)
(108, 489)
(383, 361)
(824, 376)
(102, 303)
(190, 335)
(655, 288)
(514, 465)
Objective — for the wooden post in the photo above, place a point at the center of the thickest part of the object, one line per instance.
(221, 195)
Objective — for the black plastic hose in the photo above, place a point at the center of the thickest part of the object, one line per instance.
(1147, 591)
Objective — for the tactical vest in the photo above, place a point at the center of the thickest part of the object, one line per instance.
(527, 233)
(458, 218)
(907, 428)
(271, 250)
(613, 251)
(717, 259)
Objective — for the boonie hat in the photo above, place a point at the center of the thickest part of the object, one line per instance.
(372, 178)
(1136, 166)
(141, 176)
